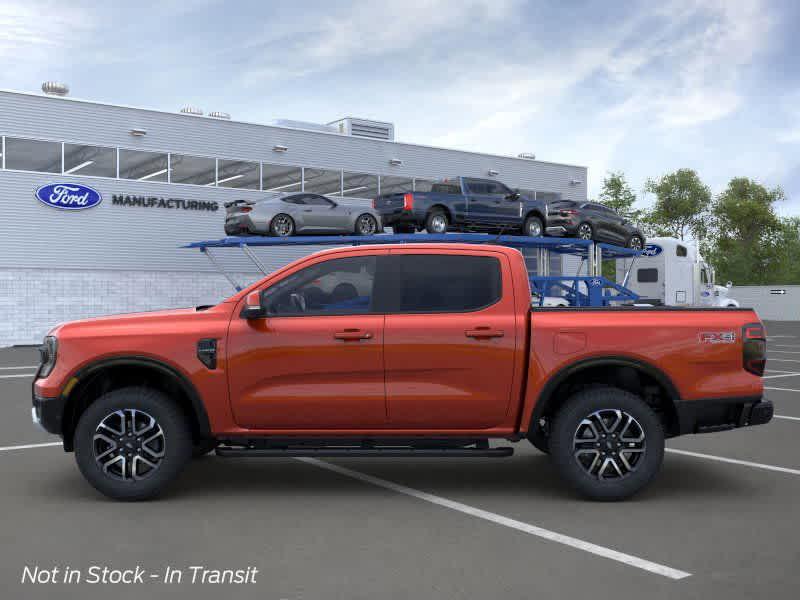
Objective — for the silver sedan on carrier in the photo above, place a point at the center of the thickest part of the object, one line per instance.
(286, 214)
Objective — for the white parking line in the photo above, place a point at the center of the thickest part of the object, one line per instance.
(17, 375)
(783, 351)
(628, 559)
(17, 368)
(787, 417)
(770, 359)
(776, 376)
(783, 346)
(735, 461)
(782, 389)
(775, 337)
(777, 371)
(26, 446)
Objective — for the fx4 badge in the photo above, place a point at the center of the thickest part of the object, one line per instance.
(717, 337)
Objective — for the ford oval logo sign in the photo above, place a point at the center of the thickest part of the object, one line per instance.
(652, 250)
(68, 196)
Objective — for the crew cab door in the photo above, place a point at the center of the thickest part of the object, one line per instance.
(449, 340)
(489, 205)
(316, 360)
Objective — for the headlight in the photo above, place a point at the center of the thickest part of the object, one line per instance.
(48, 353)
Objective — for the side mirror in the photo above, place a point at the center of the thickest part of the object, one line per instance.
(253, 308)
(514, 196)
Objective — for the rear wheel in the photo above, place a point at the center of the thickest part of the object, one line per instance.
(437, 221)
(366, 224)
(585, 231)
(635, 242)
(132, 442)
(607, 443)
(281, 226)
(533, 227)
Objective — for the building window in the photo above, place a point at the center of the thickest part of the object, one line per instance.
(396, 185)
(323, 181)
(360, 185)
(423, 185)
(33, 155)
(238, 174)
(144, 166)
(195, 170)
(96, 161)
(281, 178)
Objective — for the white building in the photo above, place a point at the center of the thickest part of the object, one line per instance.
(178, 169)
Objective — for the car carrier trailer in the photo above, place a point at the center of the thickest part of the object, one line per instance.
(590, 289)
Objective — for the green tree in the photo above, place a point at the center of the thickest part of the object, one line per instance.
(618, 195)
(681, 207)
(749, 242)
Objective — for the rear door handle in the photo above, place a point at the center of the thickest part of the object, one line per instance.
(483, 333)
(352, 334)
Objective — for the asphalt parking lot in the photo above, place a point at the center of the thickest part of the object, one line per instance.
(722, 519)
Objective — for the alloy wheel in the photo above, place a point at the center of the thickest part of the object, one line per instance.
(585, 231)
(534, 228)
(439, 224)
(366, 225)
(129, 445)
(609, 444)
(282, 226)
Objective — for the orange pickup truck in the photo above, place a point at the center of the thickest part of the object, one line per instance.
(412, 350)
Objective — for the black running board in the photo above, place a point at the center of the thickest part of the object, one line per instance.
(230, 452)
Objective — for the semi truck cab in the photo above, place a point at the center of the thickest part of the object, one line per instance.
(671, 272)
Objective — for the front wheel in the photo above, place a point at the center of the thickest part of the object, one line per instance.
(607, 443)
(366, 224)
(132, 442)
(533, 227)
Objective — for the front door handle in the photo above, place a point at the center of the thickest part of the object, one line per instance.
(483, 333)
(352, 334)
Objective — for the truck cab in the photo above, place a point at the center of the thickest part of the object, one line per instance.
(672, 272)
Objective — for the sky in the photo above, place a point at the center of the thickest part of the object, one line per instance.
(639, 87)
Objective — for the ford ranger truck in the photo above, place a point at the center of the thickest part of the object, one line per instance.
(463, 204)
(386, 350)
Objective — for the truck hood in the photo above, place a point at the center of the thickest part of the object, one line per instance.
(137, 319)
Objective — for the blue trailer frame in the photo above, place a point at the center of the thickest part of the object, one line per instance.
(579, 290)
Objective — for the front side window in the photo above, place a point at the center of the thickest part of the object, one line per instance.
(33, 155)
(497, 188)
(647, 275)
(435, 283)
(318, 201)
(341, 286)
(477, 187)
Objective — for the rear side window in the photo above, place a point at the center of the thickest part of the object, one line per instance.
(446, 188)
(680, 251)
(647, 275)
(439, 283)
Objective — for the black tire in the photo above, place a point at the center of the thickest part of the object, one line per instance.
(540, 440)
(533, 227)
(176, 443)
(635, 242)
(204, 447)
(585, 231)
(437, 221)
(281, 225)
(366, 224)
(569, 435)
(403, 228)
